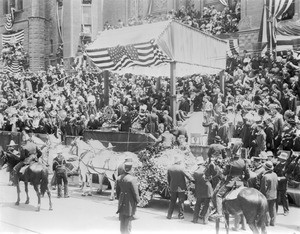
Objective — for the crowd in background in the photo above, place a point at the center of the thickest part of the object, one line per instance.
(210, 20)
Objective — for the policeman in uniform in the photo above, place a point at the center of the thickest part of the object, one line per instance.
(59, 167)
(29, 153)
(236, 171)
(128, 195)
(282, 183)
(11, 150)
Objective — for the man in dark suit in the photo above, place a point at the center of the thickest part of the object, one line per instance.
(59, 167)
(268, 187)
(203, 192)
(125, 120)
(176, 179)
(217, 149)
(282, 197)
(128, 196)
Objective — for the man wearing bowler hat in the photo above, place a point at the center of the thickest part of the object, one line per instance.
(282, 183)
(203, 192)
(268, 187)
(128, 196)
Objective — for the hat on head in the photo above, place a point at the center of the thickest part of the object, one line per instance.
(269, 154)
(269, 166)
(200, 160)
(263, 155)
(128, 161)
(256, 158)
(181, 137)
(12, 143)
(218, 139)
(283, 156)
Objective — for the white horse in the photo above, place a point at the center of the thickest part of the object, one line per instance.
(94, 158)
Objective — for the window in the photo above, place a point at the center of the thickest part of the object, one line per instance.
(86, 20)
(51, 44)
(16, 4)
(86, 1)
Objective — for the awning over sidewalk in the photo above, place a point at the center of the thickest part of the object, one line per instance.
(148, 49)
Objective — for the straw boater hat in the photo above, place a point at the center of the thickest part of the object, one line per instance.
(283, 156)
(12, 143)
(269, 166)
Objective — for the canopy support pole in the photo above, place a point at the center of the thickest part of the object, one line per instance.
(106, 87)
(173, 90)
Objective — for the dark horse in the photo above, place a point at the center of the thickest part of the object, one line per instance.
(252, 204)
(35, 174)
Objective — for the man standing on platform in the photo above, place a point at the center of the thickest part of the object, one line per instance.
(203, 192)
(176, 179)
(268, 187)
(128, 196)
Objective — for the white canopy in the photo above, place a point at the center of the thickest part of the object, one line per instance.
(192, 50)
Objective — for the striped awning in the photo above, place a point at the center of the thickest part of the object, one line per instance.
(13, 38)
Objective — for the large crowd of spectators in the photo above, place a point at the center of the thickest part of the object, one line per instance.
(210, 20)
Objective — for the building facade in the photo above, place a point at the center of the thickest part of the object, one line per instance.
(38, 19)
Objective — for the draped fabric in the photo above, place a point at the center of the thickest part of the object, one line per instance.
(224, 2)
(272, 11)
(9, 20)
(192, 50)
(232, 47)
(288, 27)
(13, 38)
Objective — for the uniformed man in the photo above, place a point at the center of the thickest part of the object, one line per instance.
(128, 196)
(203, 192)
(59, 167)
(282, 183)
(268, 187)
(29, 152)
(257, 171)
(11, 150)
(236, 172)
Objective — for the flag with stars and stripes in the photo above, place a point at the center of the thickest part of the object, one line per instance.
(9, 20)
(13, 67)
(118, 57)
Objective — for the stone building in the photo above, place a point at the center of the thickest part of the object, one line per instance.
(38, 19)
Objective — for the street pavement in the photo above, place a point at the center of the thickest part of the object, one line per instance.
(96, 214)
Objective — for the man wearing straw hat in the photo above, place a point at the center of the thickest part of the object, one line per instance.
(128, 196)
(268, 187)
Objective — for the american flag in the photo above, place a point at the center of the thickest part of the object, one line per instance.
(13, 38)
(272, 11)
(9, 20)
(141, 54)
(13, 67)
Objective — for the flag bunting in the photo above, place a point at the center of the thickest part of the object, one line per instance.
(115, 58)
